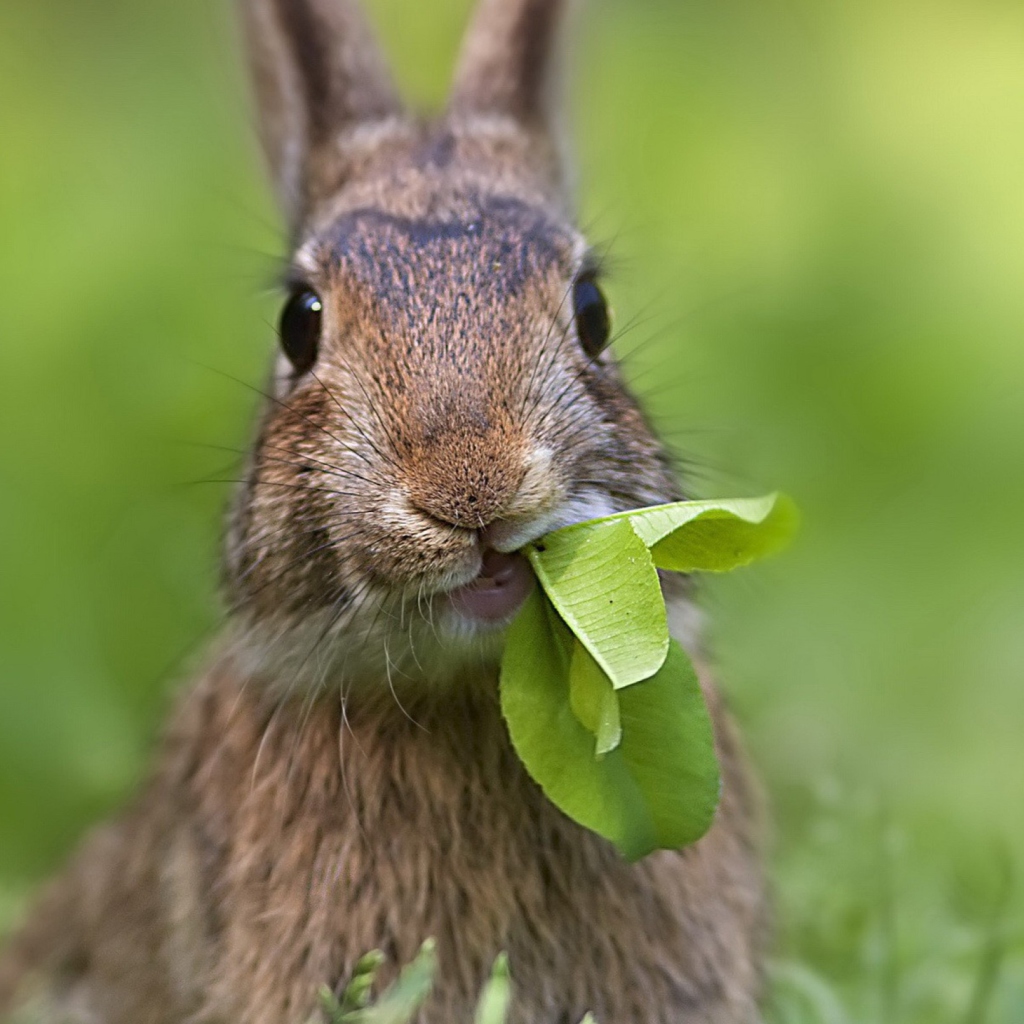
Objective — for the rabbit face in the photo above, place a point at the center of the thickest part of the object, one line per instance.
(451, 413)
(444, 395)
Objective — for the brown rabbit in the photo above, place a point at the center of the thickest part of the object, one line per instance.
(340, 778)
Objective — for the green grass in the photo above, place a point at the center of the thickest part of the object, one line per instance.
(816, 231)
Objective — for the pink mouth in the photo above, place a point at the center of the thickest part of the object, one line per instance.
(498, 592)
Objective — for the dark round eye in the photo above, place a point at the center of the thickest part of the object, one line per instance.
(593, 324)
(300, 329)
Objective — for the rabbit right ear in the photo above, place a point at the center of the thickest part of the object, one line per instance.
(510, 68)
(318, 74)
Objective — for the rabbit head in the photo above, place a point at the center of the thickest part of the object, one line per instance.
(444, 393)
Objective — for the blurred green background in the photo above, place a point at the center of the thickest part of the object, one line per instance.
(815, 213)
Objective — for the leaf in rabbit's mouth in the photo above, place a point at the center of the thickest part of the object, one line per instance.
(499, 590)
(603, 706)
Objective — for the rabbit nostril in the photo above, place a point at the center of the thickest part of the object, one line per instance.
(465, 476)
(467, 511)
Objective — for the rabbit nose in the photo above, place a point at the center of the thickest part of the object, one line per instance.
(467, 482)
(472, 506)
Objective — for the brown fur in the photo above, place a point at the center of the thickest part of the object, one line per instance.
(341, 779)
(275, 845)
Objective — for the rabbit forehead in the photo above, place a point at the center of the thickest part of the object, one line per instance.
(480, 245)
(450, 310)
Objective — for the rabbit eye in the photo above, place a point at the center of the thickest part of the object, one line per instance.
(300, 329)
(593, 324)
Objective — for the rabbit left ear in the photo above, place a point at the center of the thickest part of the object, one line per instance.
(318, 73)
(510, 66)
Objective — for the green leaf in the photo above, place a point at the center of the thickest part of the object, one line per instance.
(658, 789)
(668, 744)
(604, 710)
(331, 1011)
(557, 750)
(400, 1002)
(497, 995)
(357, 992)
(715, 536)
(593, 700)
(601, 578)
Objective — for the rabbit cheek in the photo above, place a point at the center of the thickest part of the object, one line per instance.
(408, 550)
(288, 559)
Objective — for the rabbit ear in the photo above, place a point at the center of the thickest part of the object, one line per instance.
(510, 63)
(318, 73)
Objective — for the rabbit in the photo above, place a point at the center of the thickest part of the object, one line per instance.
(339, 777)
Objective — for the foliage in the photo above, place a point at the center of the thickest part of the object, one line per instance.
(496, 996)
(399, 1003)
(602, 705)
(396, 1005)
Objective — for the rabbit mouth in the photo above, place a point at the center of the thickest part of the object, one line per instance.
(499, 590)
(505, 580)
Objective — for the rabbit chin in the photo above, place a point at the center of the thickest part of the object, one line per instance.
(408, 651)
(397, 642)
(401, 650)
(390, 643)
